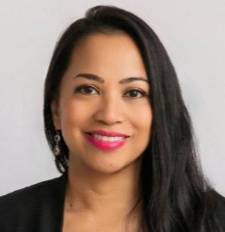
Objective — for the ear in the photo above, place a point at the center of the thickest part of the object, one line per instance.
(55, 115)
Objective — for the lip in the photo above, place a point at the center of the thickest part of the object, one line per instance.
(108, 133)
(105, 145)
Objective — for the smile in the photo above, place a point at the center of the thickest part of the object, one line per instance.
(106, 143)
(107, 138)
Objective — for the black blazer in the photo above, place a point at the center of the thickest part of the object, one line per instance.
(39, 208)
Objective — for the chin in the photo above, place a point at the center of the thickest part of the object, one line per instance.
(111, 168)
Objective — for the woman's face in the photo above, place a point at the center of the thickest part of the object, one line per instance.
(97, 94)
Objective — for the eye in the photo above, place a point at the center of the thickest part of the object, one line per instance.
(136, 93)
(85, 89)
(90, 90)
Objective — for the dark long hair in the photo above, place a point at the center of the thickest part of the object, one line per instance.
(173, 191)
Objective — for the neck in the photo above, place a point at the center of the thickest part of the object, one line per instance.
(113, 194)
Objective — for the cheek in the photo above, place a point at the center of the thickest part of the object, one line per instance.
(142, 116)
(74, 113)
(143, 124)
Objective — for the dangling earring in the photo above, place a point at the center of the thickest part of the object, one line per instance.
(56, 148)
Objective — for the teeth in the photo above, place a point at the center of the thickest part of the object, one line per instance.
(107, 138)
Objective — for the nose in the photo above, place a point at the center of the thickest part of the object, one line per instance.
(109, 111)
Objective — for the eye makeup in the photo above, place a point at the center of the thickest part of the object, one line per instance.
(86, 89)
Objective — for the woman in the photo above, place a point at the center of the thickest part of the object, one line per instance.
(121, 135)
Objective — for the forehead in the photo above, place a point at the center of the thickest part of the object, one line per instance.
(108, 53)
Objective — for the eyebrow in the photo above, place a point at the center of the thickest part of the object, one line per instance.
(94, 77)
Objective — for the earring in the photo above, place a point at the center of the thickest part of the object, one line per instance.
(56, 148)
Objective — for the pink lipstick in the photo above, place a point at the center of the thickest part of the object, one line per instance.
(106, 140)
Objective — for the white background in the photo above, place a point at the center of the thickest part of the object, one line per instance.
(193, 32)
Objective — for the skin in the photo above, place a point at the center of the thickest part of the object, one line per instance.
(103, 186)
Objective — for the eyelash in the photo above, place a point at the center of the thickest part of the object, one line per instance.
(79, 88)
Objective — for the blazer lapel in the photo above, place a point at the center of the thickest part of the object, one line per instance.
(52, 217)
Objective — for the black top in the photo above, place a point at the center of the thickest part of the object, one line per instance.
(39, 208)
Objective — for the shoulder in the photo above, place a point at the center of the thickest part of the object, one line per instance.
(217, 207)
(26, 205)
(220, 206)
(34, 191)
